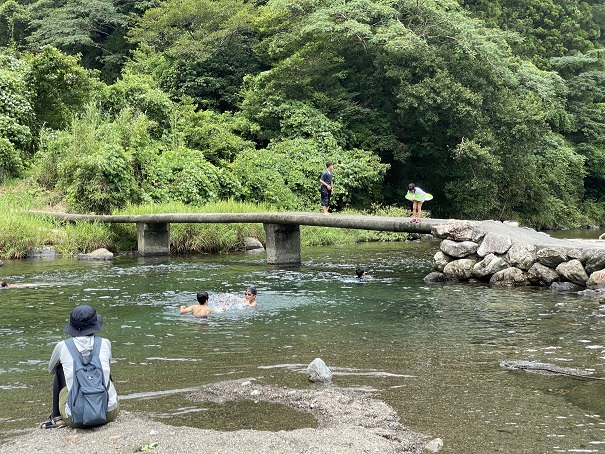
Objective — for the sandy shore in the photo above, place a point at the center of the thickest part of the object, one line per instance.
(349, 421)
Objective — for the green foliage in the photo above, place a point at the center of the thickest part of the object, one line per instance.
(206, 48)
(546, 28)
(78, 27)
(139, 93)
(189, 178)
(16, 115)
(14, 19)
(93, 162)
(60, 86)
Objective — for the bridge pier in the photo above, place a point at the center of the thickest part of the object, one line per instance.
(153, 238)
(283, 244)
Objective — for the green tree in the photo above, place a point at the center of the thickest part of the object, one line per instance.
(205, 48)
(81, 27)
(16, 115)
(60, 86)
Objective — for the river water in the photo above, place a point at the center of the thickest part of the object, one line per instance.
(430, 351)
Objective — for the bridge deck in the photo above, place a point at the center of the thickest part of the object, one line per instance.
(383, 223)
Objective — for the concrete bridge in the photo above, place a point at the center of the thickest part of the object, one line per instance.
(282, 228)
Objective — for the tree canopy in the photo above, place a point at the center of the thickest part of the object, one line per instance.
(497, 108)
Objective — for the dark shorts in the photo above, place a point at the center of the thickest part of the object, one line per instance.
(325, 196)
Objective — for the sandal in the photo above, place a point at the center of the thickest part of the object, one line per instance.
(53, 422)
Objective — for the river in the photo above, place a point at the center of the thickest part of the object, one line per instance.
(430, 351)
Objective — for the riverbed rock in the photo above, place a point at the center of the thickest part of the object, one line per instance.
(458, 249)
(491, 264)
(521, 255)
(458, 231)
(318, 372)
(593, 259)
(460, 269)
(1, 263)
(551, 256)
(434, 445)
(542, 275)
(565, 287)
(440, 260)
(573, 271)
(46, 252)
(251, 243)
(494, 243)
(435, 276)
(510, 276)
(97, 254)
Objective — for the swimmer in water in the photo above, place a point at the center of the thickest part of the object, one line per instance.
(201, 309)
(4, 284)
(249, 297)
(360, 273)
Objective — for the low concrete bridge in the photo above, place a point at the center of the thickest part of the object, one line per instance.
(282, 228)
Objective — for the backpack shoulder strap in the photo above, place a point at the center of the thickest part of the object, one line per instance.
(75, 354)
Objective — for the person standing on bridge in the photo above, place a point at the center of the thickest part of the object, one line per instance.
(326, 190)
(417, 196)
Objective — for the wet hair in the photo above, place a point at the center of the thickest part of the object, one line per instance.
(252, 290)
(202, 297)
(411, 187)
(3, 284)
(359, 271)
(329, 163)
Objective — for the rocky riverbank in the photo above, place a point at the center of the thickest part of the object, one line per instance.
(348, 420)
(503, 254)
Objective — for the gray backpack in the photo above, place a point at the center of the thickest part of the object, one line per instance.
(88, 396)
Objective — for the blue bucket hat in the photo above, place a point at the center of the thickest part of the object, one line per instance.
(83, 321)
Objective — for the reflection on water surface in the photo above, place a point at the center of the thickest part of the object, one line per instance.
(431, 351)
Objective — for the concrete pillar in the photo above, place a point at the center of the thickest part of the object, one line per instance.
(153, 238)
(283, 244)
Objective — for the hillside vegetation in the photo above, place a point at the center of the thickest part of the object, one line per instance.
(495, 107)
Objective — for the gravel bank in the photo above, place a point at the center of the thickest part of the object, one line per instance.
(349, 421)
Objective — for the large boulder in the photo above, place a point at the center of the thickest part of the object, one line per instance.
(593, 259)
(440, 260)
(521, 255)
(542, 275)
(460, 269)
(458, 249)
(573, 271)
(552, 256)
(491, 264)
(98, 254)
(510, 276)
(494, 243)
(458, 231)
(318, 372)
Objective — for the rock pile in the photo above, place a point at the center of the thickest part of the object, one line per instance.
(494, 252)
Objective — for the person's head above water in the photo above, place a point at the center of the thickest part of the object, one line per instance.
(251, 291)
(202, 297)
(360, 272)
(3, 284)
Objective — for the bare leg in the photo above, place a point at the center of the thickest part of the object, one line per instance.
(419, 210)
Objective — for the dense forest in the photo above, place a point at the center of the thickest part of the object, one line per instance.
(496, 107)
